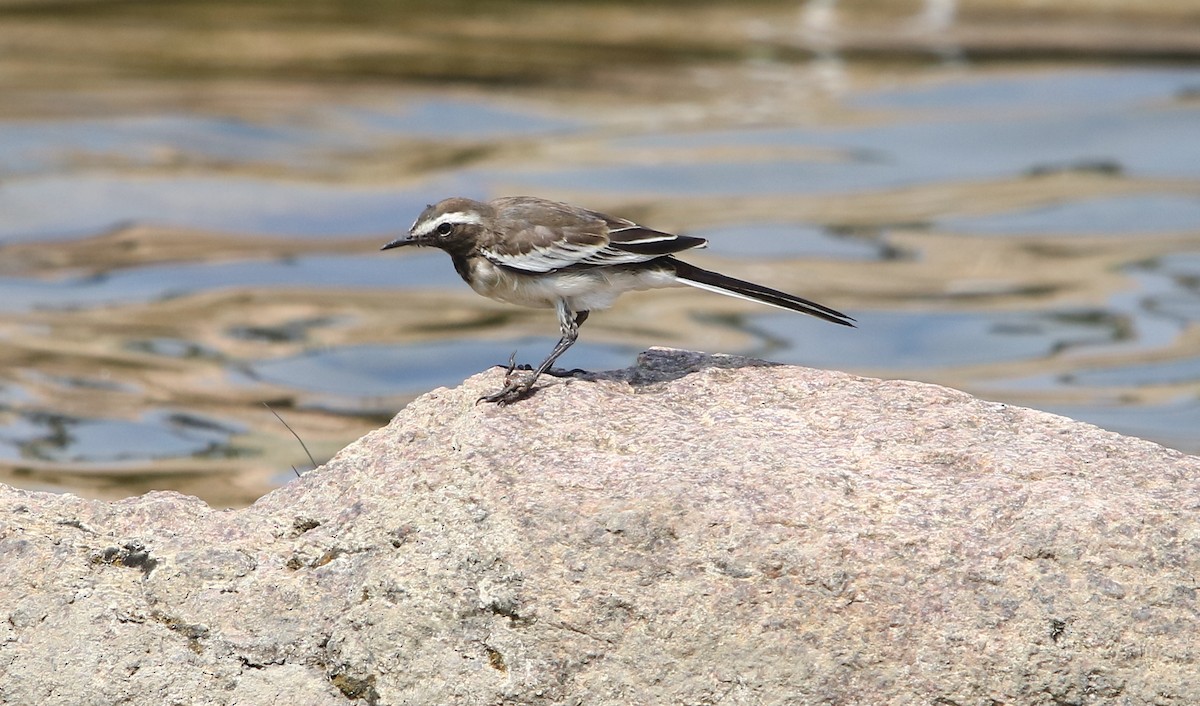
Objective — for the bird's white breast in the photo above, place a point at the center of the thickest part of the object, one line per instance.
(583, 290)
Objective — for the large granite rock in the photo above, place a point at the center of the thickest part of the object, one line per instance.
(693, 530)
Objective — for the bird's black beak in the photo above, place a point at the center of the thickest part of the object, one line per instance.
(402, 240)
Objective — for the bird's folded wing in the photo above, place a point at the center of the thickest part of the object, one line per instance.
(543, 249)
(652, 243)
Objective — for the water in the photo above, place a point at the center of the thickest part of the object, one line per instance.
(1158, 213)
(174, 262)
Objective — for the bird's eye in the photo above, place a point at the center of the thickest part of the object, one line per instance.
(444, 229)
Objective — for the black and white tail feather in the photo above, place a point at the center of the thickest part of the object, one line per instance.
(722, 284)
(534, 252)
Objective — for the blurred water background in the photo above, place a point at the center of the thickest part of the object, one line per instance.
(1005, 194)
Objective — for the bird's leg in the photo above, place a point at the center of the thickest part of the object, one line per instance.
(569, 322)
(573, 324)
(544, 369)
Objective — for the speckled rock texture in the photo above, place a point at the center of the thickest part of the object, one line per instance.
(693, 530)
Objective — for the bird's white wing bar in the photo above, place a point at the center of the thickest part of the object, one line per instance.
(555, 256)
(612, 256)
(647, 242)
(560, 255)
(653, 237)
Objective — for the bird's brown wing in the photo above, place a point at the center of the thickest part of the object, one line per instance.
(537, 235)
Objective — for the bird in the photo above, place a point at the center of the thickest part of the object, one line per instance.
(540, 253)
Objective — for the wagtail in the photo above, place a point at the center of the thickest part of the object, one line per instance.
(545, 254)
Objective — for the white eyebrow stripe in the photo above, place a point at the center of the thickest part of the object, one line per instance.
(455, 218)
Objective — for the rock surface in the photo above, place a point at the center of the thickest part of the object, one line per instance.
(694, 530)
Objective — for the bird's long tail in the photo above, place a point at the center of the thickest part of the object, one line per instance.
(716, 282)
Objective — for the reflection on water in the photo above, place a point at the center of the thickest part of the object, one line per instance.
(919, 341)
(49, 437)
(163, 281)
(1114, 215)
(102, 202)
(1143, 140)
(170, 265)
(794, 240)
(1065, 90)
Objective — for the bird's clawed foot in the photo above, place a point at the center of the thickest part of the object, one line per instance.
(515, 388)
(518, 387)
(512, 392)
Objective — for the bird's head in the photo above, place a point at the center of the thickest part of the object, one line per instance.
(454, 224)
